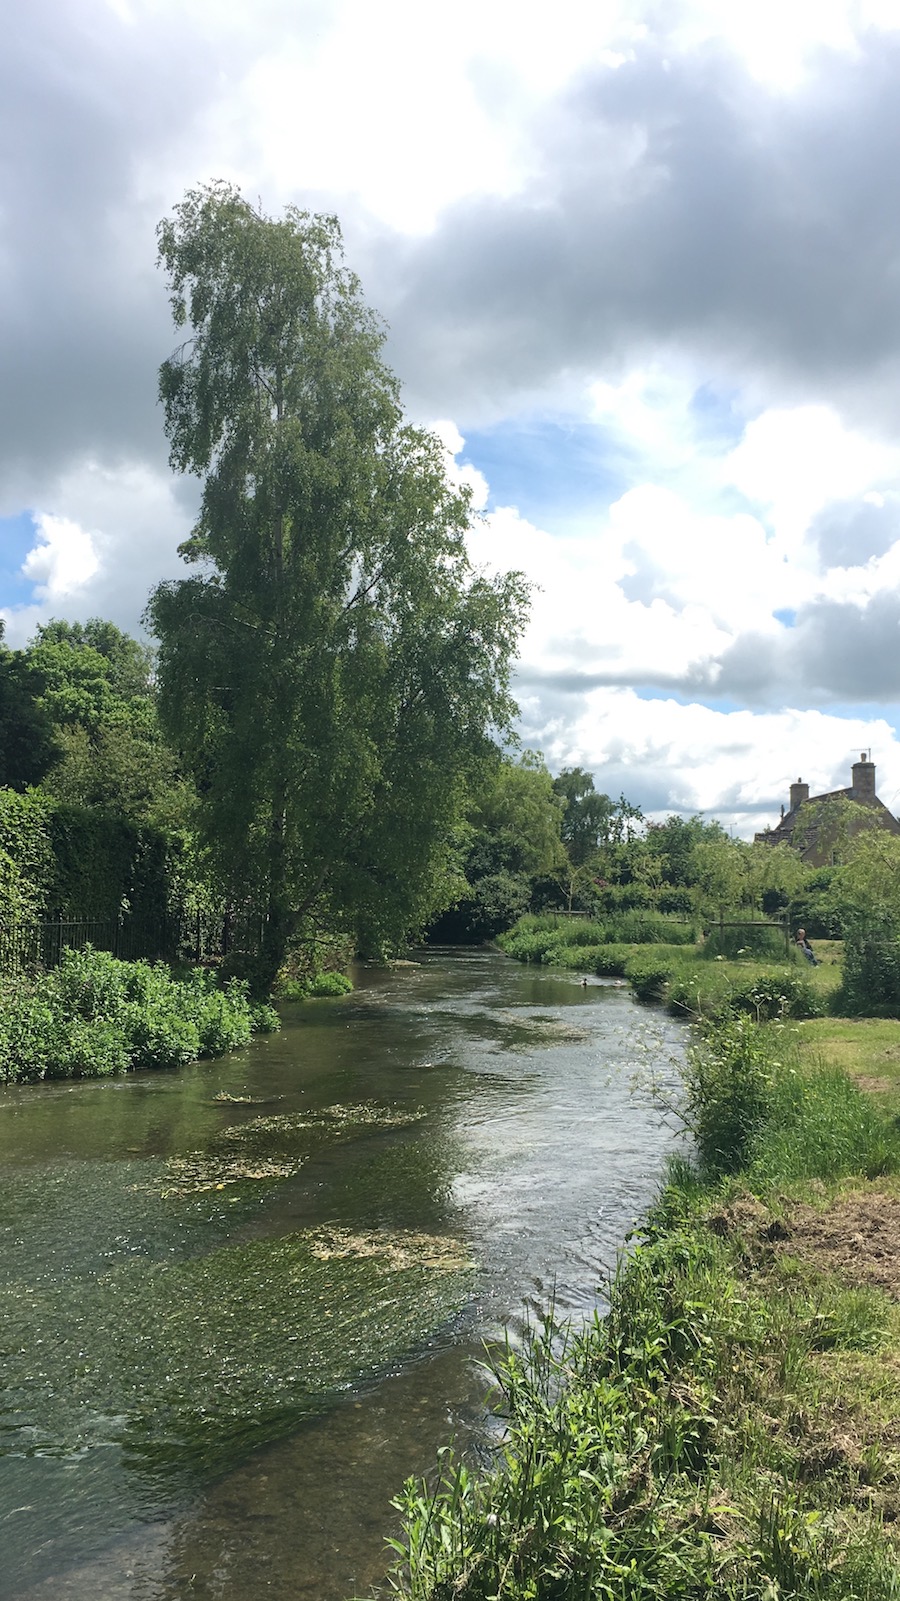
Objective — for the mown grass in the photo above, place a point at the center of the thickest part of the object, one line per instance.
(728, 1429)
(866, 1048)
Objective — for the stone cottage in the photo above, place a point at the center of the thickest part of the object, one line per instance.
(805, 824)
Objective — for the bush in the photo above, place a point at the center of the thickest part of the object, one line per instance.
(96, 1015)
(820, 1125)
(314, 984)
(578, 958)
(164, 1039)
(764, 944)
(728, 1084)
(768, 996)
(643, 928)
(330, 984)
(611, 960)
(528, 945)
(649, 976)
(871, 976)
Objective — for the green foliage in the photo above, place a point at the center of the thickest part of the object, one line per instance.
(263, 1018)
(314, 984)
(649, 975)
(128, 664)
(591, 820)
(95, 1015)
(105, 864)
(512, 837)
(548, 937)
(711, 992)
(761, 944)
(767, 996)
(331, 984)
(26, 854)
(728, 1084)
(28, 746)
(752, 1106)
(870, 982)
(334, 671)
(315, 965)
(621, 1475)
(820, 1125)
(869, 886)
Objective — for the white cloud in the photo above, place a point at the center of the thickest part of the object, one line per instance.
(63, 561)
(117, 538)
(734, 765)
(795, 460)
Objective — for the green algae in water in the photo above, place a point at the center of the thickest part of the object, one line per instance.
(283, 1130)
(272, 1148)
(192, 1175)
(188, 1365)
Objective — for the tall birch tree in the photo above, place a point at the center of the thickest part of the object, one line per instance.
(334, 667)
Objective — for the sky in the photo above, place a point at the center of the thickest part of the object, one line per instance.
(640, 266)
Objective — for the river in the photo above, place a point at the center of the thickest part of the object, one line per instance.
(241, 1303)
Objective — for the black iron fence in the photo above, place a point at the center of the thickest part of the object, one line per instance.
(29, 947)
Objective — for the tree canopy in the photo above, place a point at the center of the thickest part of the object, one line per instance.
(335, 670)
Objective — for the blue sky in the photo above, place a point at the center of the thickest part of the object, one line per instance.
(637, 269)
(17, 538)
(557, 471)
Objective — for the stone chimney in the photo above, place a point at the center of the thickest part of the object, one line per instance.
(862, 788)
(800, 793)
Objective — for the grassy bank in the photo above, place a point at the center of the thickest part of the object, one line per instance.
(729, 1428)
(692, 977)
(94, 1016)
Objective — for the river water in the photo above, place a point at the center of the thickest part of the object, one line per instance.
(240, 1304)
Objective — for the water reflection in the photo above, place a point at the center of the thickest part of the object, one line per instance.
(467, 1098)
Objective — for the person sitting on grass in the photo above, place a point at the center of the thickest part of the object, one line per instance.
(806, 948)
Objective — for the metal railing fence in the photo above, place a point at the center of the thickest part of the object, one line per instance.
(36, 946)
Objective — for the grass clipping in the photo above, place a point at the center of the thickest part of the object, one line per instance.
(274, 1147)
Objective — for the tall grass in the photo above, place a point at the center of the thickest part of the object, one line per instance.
(752, 1106)
(623, 1475)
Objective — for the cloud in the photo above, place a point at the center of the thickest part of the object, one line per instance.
(63, 561)
(102, 560)
(674, 203)
(649, 253)
(666, 756)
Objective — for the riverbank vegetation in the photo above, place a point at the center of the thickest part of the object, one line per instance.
(664, 961)
(94, 1016)
(728, 1428)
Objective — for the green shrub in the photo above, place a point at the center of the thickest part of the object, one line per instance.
(263, 1018)
(819, 1125)
(728, 1085)
(96, 1015)
(645, 928)
(761, 944)
(528, 945)
(648, 976)
(331, 984)
(578, 958)
(870, 982)
(768, 996)
(163, 1039)
(314, 984)
(611, 960)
